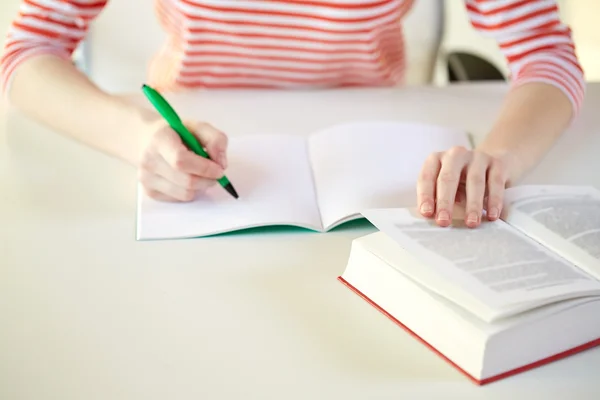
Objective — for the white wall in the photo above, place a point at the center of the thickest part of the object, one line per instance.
(7, 12)
(586, 33)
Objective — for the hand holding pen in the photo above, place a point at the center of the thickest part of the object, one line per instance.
(175, 165)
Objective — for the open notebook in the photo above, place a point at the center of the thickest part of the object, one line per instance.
(494, 301)
(315, 182)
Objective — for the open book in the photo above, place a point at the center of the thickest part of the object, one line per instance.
(495, 300)
(315, 182)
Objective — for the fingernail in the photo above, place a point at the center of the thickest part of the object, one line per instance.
(443, 216)
(426, 208)
(223, 159)
(493, 212)
(473, 218)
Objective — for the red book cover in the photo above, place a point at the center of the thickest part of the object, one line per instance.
(515, 371)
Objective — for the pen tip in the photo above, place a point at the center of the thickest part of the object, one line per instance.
(231, 190)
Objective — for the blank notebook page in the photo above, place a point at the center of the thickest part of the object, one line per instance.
(273, 179)
(373, 165)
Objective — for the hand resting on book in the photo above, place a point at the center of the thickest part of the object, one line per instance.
(470, 178)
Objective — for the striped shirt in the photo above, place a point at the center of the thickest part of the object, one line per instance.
(300, 43)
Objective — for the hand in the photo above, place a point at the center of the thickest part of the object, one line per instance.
(458, 175)
(169, 171)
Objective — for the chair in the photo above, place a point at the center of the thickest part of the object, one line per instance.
(464, 54)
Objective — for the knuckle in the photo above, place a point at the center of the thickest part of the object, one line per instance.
(181, 159)
(495, 200)
(481, 155)
(433, 158)
(497, 178)
(165, 130)
(421, 198)
(189, 182)
(476, 179)
(209, 170)
(160, 129)
(498, 163)
(427, 175)
(448, 177)
(204, 169)
(220, 136)
(456, 151)
(153, 194)
(442, 203)
(201, 125)
(188, 195)
(147, 162)
(205, 184)
(162, 134)
(430, 168)
(475, 205)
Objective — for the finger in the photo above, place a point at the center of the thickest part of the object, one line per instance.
(155, 184)
(160, 196)
(475, 188)
(179, 178)
(213, 140)
(154, 163)
(426, 185)
(180, 158)
(496, 184)
(453, 162)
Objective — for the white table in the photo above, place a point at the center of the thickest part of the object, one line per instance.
(89, 313)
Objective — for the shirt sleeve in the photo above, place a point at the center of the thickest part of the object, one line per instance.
(537, 45)
(46, 27)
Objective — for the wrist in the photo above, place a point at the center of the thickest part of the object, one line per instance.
(510, 159)
(138, 126)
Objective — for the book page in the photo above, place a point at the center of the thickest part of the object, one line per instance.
(366, 165)
(495, 263)
(273, 179)
(565, 219)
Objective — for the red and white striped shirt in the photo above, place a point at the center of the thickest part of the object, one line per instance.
(300, 43)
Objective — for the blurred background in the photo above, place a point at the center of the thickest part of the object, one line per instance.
(442, 46)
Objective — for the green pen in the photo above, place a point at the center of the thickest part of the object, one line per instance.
(165, 109)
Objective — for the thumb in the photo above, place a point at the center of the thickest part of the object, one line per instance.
(212, 139)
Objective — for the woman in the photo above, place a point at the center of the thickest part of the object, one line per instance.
(292, 44)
